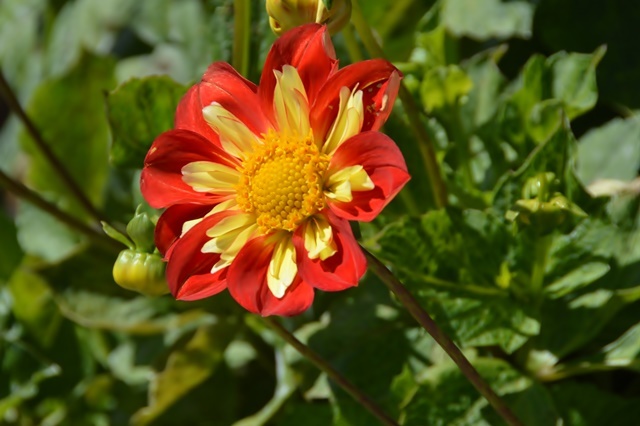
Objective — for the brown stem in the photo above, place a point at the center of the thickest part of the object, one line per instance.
(53, 160)
(20, 190)
(333, 374)
(423, 318)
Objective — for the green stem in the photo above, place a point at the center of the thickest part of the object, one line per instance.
(32, 197)
(423, 318)
(351, 43)
(427, 150)
(541, 251)
(333, 374)
(241, 39)
(46, 151)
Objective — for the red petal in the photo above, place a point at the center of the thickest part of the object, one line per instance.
(189, 270)
(161, 180)
(189, 115)
(222, 84)
(308, 48)
(383, 162)
(169, 227)
(376, 78)
(247, 281)
(339, 272)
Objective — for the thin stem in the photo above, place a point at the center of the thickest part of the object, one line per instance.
(32, 197)
(541, 251)
(427, 151)
(48, 154)
(241, 39)
(423, 318)
(333, 374)
(351, 43)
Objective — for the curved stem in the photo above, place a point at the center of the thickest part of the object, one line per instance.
(425, 144)
(32, 197)
(423, 318)
(333, 374)
(351, 43)
(241, 27)
(46, 151)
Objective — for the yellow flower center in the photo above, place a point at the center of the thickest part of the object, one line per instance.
(282, 181)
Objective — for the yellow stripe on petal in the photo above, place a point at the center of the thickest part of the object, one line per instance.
(282, 268)
(340, 185)
(235, 136)
(206, 176)
(290, 103)
(318, 238)
(348, 122)
(230, 204)
(229, 236)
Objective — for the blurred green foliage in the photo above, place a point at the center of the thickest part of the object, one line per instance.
(508, 90)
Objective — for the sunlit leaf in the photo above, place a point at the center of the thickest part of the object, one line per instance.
(139, 110)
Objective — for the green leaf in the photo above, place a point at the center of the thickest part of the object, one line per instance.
(557, 29)
(446, 397)
(360, 325)
(441, 258)
(576, 279)
(574, 80)
(610, 152)
(69, 111)
(21, 392)
(487, 83)
(486, 19)
(187, 367)
(138, 111)
(34, 307)
(443, 87)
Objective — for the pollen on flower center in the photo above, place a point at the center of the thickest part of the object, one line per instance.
(282, 181)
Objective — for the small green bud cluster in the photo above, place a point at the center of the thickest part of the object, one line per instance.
(543, 208)
(139, 267)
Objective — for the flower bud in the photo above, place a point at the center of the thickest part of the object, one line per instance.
(545, 216)
(141, 230)
(287, 14)
(141, 272)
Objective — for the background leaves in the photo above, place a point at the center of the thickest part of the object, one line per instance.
(527, 103)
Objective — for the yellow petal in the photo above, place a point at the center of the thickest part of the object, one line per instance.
(318, 238)
(235, 136)
(282, 268)
(206, 176)
(348, 122)
(340, 185)
(290, 102)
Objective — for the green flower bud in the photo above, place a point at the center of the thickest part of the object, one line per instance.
(545, 215)
(540, 184)
(141, 272)
(141, 230)
(287, 14)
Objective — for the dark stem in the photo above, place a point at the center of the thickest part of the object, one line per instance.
(21, 191)
(53, 160)
(423, 318)
(333, 374)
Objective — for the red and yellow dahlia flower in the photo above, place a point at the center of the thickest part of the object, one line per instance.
(260, 182)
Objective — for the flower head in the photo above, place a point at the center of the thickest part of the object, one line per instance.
(260, 182)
